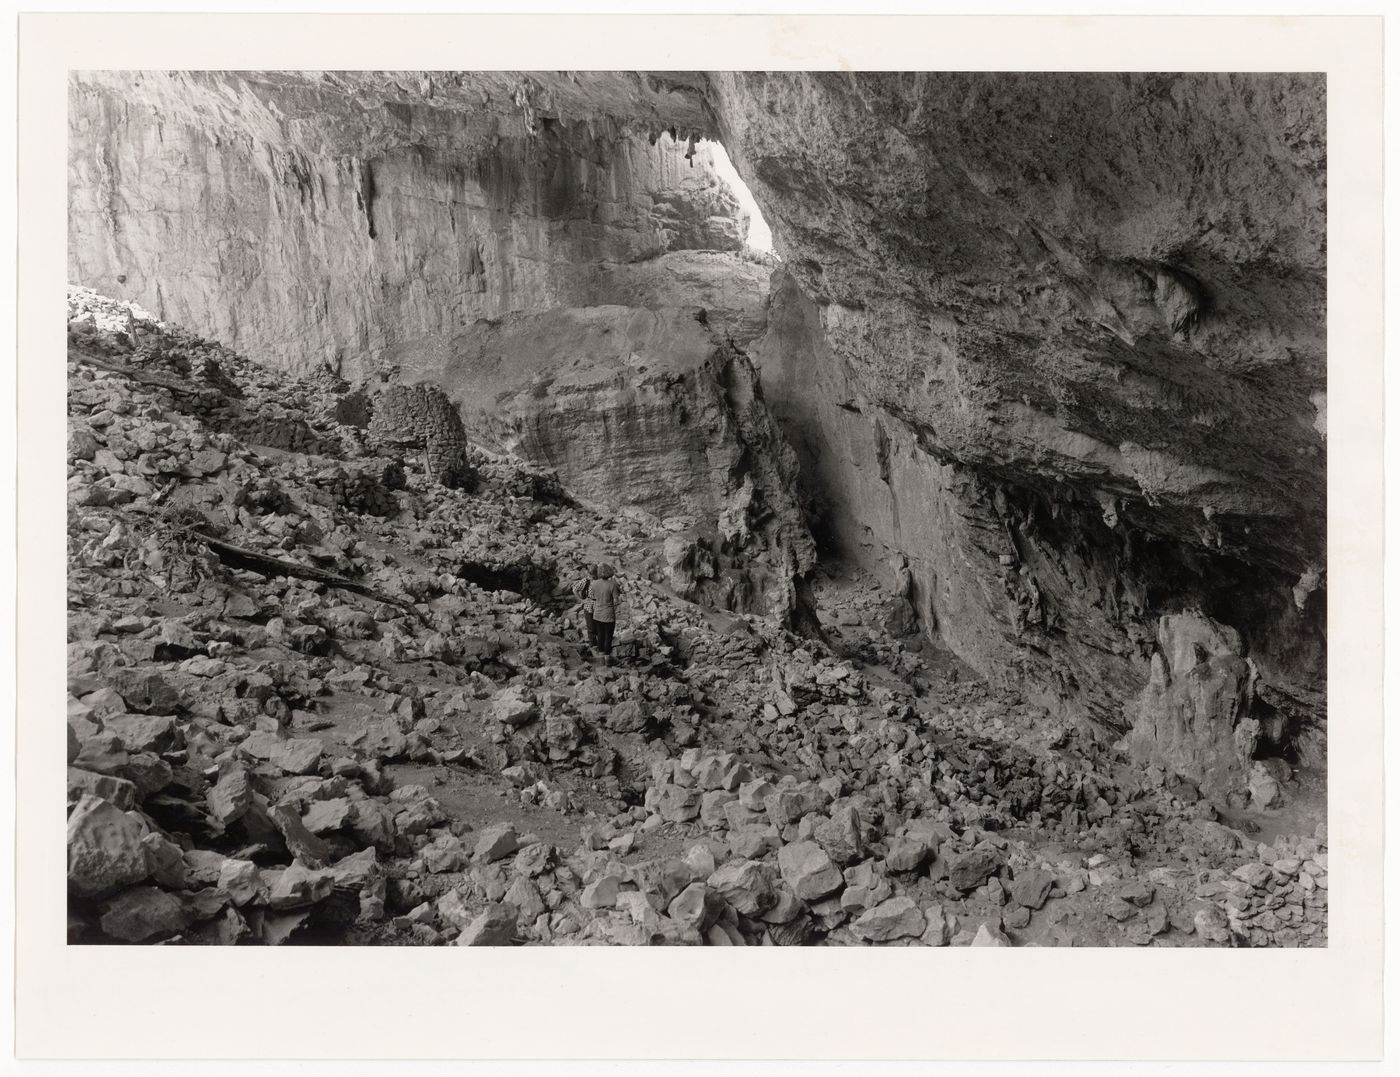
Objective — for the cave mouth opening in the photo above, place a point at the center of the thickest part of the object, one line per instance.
(760, 237)
(1277, 734)
(536, 582)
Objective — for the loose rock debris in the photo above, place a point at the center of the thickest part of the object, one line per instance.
(266, 756)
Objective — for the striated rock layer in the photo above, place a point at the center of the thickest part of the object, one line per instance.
(319, 222)
(1059, 339)
(385, 227)
(1069, 333)
(1028, 579)
(651, 410)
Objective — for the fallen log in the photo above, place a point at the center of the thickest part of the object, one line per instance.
(241, 557)
(144, 377)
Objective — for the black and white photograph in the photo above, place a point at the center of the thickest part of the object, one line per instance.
(540, 490)
(719, 508)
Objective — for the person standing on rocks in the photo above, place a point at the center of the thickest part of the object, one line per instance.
(581, 592)
(603, 595)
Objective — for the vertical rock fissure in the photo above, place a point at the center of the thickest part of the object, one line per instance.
(365, 193)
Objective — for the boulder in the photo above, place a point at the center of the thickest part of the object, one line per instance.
(165, 860)
(787, 806)
(788, 908)
(662, 879)
(241, 880)
(117, 791)
(105, 853)
(324, 816)
(700, 858)
(297, 885)
(296, 756)
(372, 823)
(511, 708)
(747, 885)
(496, 843)
(144, 732)
(526, 899)
(840, 835)
(753, 795)
(712, 804)
(443, 854)
(230, 797)
(990, 935)
(1031, 888)
(627, 716)
(452, 909)
(696, 907)
(148, 772)
(357, 871)
(678, 804)
(1265, 791)
(1211, 925)
(494, 927)
(1253, 874)
(1015, 916)
(807, 868)
(148, 693)
(601, 893)
(103, 753)
(906, 854)
(969, 870)
(753, 842)
(143, 914)
(301, 842)
(203, 866)
(941, 926)
(896, 918)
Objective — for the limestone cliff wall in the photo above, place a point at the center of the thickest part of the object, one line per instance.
(1072, 338)
(654, 409)
(1033, 581)
(576, 281)
(312, 222)
(1115, 281)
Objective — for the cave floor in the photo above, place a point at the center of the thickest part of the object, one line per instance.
(424, 766)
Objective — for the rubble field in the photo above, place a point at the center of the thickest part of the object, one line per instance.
(325, 687)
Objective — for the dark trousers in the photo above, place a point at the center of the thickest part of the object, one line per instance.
(603, 635)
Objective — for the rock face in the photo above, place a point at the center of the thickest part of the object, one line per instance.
(1110, 281)
(1193, 716)
(340, 222)
(1027, 581)
(581, 280)
(651, 410)
(1062, 346)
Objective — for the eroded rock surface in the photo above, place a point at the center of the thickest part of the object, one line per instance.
(649, 410)
(1058, 339)
(293, 721)
(339, 222)
(1086, 314)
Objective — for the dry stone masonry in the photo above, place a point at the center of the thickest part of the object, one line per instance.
(421, 417)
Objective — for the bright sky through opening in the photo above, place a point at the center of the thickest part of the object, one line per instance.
(760, 236)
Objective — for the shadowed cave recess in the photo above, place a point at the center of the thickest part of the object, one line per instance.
(971, 539)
